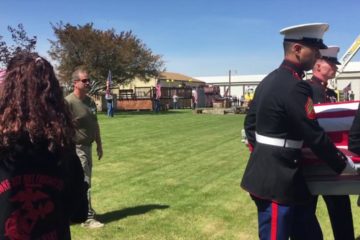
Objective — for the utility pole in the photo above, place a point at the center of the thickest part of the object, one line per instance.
(349, 54)
(229, 83)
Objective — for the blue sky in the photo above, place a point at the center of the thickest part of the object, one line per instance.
(195, 37)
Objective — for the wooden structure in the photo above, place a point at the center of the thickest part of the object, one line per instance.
(139, 95)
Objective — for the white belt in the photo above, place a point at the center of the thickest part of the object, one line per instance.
(279, 142)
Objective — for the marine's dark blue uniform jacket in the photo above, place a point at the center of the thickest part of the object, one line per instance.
(318, 90)
(282, 108)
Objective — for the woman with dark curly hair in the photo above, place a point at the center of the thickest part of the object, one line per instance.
(42, 185)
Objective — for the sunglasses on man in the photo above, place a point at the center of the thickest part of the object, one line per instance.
(84, 80)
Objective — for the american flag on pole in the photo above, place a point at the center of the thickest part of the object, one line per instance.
(158, 90)
(336, 119)
(346, 91)
(2, 74)
(108, 81)
(347, 88)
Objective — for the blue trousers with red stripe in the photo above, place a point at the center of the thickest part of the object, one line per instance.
(278, 222)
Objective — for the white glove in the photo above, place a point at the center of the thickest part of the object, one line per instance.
(350, 167)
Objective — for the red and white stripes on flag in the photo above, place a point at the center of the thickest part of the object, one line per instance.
(158, 91)
(108, 81)
(347, 88)
(2, 74)
(336, 119)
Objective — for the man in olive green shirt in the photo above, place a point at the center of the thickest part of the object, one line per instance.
(83, 110)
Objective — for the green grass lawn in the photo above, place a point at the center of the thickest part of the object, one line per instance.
(173, 176)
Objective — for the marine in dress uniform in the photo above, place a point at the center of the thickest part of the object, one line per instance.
(281, 117)
(354, 138)
(324, 69)
(339, 207)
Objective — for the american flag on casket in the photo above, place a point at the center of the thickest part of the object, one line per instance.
(336, 119)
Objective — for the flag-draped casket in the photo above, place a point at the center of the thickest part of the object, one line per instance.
(336, 119)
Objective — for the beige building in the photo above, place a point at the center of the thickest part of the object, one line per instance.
(139, 94)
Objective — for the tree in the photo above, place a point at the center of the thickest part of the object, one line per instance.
(100, 51)
(21, 43)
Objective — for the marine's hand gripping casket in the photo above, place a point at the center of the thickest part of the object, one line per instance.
(336, 119)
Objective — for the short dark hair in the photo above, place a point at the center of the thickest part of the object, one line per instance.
(75, 74)
(287, 46)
